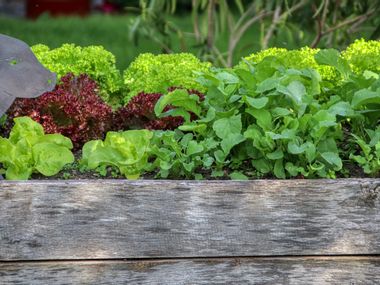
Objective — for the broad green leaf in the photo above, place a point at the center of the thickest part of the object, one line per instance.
(178, 98)
(263, 118)
(230, 141)
(262, 165)
(295, 91)
(257, 103)
(280, 112)
(220, 156)
(193, 147)
(364, 96)
(278, 169)
(227, 126)
(227, 77)
(342, 109)
(333, 159)
(267, 85)
(236, 175)
(332, 57)
(278, 154)
(50, 158)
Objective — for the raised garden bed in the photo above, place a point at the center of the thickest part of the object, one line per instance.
(189, 232)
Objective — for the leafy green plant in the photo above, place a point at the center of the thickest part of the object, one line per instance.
(156, 73)
(175, 154)
(128, 151)
(95, 61)
(272, 116)
(369, 154)
(298, 59)
(29, 150)
(363, 55)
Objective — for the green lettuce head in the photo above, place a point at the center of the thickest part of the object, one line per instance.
(363, 55)
(155, 73)
(94, 61)
(297, 59)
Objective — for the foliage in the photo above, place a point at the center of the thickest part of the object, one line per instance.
(369, 154)
(153, 23)
(281, 118)
(139, 113)
(274, 121)
(73, 109)
(328, 22)
(175, 154)
(128, 151)
(363, 55)
(298, 59)
(94, 61)
(155, 74)
(29, 150)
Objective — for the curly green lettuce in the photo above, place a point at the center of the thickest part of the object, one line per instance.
(155, 73)
(363, 55)
(94, 61)
(298, 59)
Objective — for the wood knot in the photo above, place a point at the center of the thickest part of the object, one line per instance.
(370, 193)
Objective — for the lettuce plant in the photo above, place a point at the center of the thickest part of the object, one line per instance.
(297, 59)
(95, 61)
(156, 73)
(29, 150)
(128, 151)
(139, 112)
(363, 55)
(73, 109)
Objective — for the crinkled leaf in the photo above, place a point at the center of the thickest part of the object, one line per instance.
(50, 158)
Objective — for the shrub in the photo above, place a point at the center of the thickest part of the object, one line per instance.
(139, 113)
(73, 109)
(363, 55)
(94, 61)
(154, 74)
(29, 150)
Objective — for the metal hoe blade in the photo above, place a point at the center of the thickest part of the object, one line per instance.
(21, 74)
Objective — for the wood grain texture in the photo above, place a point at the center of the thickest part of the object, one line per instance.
(45, 220)
(231, 271)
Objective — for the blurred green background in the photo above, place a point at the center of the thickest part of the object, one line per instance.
(113, 31)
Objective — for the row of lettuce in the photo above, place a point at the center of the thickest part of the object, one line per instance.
(278, 113)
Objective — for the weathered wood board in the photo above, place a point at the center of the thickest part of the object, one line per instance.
(60, 220)
(318, 271)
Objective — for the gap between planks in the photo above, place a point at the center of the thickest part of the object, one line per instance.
(337, 258)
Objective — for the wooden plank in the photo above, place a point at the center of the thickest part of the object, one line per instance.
(231, 271)
(138, 219)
